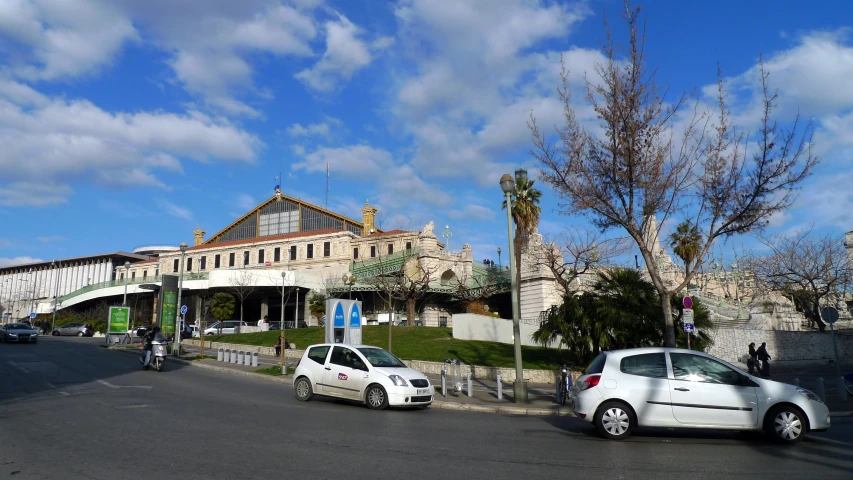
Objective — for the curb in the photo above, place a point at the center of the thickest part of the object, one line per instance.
(840, 414)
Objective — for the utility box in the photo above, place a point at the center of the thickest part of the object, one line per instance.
(346, 321)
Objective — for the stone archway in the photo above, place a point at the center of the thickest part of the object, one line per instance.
(447, 277)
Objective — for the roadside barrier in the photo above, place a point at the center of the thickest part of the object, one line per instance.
(219, 354)
(255, 359)
(500, 388)
(227, 358)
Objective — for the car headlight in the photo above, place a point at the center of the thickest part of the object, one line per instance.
(398, 381)
(15, 335)
(35, 335)
(809, 394)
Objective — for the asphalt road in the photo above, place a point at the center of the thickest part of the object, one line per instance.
(71, 410)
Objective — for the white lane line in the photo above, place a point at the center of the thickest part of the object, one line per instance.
(108, 384)
(18, 367)
(134, 406)
(104, 382)
(65, 394)
(50, 385)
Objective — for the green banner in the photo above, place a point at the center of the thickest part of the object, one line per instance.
(168, 312)
(119, 320)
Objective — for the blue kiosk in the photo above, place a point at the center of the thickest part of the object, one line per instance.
(346, 321)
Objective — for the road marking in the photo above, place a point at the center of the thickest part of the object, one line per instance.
(134, 406)
(18, 367)
(50, 385)
(65, 394)
(108, 384)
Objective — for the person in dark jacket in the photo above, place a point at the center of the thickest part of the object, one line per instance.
(762, 355)
(750, 362)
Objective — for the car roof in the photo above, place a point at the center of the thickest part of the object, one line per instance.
(638, 351)
(351, 345)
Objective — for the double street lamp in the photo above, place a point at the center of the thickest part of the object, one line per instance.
(126, 269)
(519, 388)
(178, 306)
(349, 280)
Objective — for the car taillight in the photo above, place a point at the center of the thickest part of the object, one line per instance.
(591, 381)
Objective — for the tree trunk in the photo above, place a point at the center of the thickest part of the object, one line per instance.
(668, 325)
(410, 311)
(816, 315)
(241, 312)
(390, 322)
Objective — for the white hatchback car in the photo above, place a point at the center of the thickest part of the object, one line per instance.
(669, 387)
(360, 372)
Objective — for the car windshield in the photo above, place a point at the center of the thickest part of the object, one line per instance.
(17, 326)
(380, 358)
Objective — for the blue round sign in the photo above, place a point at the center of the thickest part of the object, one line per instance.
(183, 309)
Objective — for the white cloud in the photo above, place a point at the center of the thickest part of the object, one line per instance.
(175, 210)
(51, 238)
(9, 262)
(323, 129)
(68, 141)
(474, 213)
(245, 202)
(345, 55)
(63, 38)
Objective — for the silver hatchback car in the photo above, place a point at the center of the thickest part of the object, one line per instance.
(75, 329)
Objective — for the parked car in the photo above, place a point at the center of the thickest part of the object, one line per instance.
(668, 387)
(76, 329)
(18, 332)
(363, 373)
(228, 327)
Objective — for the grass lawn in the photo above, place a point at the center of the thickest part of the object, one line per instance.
(272, 371)
(432, 344)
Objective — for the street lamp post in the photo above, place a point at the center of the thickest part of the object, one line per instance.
(55, 295)
(33, 298)
(1, 298)
(178, 313)
(447, 234)
(283, 366)
(124, 298)
(519, 387)
(349, 280)
(499, 258)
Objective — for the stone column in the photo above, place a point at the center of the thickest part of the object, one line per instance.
(198, 308)
(265, 306)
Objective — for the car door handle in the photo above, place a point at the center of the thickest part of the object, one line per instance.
(683, 389)
(328, 368)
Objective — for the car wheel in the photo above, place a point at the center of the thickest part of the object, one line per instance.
(55, 333)
(376, 398)
(614, 421)
(79, 334)
(785, 424)
(304, 392)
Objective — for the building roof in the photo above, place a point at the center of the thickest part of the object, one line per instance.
(76, 259)
(150, 260)
(285, 236)
(388, 233)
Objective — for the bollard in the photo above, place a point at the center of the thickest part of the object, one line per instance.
(797, 382)
(821, 389)
(500, 388)
(444, 381)
(227, 357)
(219, 354)
(558, 394)
(247, 360)
(842, 389)
(233, 356)
(255, 359)
(240, 356)
(470, 386)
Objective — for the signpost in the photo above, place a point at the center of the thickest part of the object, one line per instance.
(32, 314)
(830, 316)
(687, 318)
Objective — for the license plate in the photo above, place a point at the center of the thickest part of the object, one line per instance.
(423, 391)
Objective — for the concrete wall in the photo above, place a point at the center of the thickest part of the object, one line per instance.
(785, 348)
(469, 326)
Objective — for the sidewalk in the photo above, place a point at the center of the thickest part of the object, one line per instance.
(484, 396)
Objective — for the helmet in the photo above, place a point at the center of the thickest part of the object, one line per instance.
(156, 329)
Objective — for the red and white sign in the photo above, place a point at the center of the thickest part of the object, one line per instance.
(342, 376)
(688, 303)
(268, 263)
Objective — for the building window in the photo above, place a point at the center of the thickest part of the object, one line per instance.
(121, 276)
(261, 256)
(442, 321)
(204, 263)
(157, 272)
(132, 274)
(408, 245)
(373, 251)
(276, 254)
(355, 253)
(390, 248)
(145, 274)
(175, 266)
(216, 261)
(190, 264)
(231, 259)
(245, 258)
(293, 252)
(310, 251)
(327, 249)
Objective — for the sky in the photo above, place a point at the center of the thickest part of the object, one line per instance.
(129, 123)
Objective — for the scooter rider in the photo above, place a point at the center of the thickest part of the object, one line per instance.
(152, 334)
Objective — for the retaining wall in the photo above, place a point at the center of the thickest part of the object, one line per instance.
(786, 348)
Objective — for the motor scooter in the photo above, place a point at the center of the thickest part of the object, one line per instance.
(156, 354)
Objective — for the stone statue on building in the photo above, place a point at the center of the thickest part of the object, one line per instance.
(428, 230)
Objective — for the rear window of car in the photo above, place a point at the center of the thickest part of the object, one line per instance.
(596, 366)
(318, 354)
(645, 365)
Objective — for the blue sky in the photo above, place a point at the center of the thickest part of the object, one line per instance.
(127, 123)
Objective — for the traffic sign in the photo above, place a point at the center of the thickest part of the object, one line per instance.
(829, 314)
(183, 309)
(688, 328)
(33, 315)
(687, 317)
(687, 302)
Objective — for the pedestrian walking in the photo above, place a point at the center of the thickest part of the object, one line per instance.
(278, 347)
(750, 362)
(762, 355)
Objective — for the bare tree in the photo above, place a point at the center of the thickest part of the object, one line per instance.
(473, 290)
(575, 253)
(286, 287)
(716, 176)
(242, 286)
(806, 267)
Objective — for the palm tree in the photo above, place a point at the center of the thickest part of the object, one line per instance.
(525, 212)
(686, 242)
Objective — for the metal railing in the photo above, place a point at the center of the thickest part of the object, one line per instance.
(130, 281)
